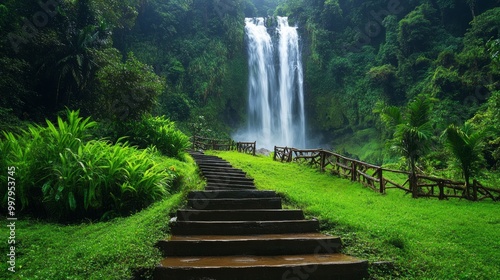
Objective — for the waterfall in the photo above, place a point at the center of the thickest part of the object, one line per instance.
(276, 114)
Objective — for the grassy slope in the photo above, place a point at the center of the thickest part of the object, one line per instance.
(425, 238)
(106, 250)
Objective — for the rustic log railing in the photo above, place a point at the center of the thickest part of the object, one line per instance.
(283, 154)
(247, 147)
(380, 179)
(201, 143)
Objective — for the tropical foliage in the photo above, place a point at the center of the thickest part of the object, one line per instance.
(467, 146)
(412, 132)
(186, 60)
(128, 90)
(132, 72)
(157, 132)
(63, 175)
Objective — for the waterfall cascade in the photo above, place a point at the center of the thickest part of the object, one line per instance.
(276, 113)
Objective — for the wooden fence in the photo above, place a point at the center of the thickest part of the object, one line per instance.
(381, 179)
(200, 143)
(246, 147)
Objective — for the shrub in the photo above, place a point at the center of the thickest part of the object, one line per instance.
(129, 89)
(63, 176)
(160, 133)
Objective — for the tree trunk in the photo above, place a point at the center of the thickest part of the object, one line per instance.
(413, 179)
(414, 184)
(468, 187)
(474, 190)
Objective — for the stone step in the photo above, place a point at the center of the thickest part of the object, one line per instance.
(311, 267)
(235, 203)
(243, 227)
(225, 177)
(258, 245)
(229, 187)
(225, 174)
(216, 171)
(214, 163)
(231, 194)
(221, 166)
(234, 241)
(239, 215)
(237, 177)
(226, 171)
(227, 182)
(202, 156)
(222, 172)
(199, 159)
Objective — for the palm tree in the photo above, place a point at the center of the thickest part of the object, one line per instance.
(466, 145)
(412, 131)
(76, 65)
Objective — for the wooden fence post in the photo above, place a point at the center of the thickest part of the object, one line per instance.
(274, 156)
(382, 183)
(254, 147)
(441, 190)
(353, 171)
(323, 160)
(290, 154)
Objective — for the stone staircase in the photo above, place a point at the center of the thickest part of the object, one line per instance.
(231, 231)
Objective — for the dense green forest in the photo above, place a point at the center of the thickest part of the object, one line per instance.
(367, 63)
(98, 99)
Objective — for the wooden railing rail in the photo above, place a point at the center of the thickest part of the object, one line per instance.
(283, 154)
(247, 147)
(212, 144)
(375, 177)
(201, 143)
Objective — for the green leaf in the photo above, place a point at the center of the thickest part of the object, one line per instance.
(72, 201)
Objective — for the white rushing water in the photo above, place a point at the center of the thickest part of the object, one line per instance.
(276, 114)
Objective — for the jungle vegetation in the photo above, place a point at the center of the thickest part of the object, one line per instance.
(98, 98)
(135, 63)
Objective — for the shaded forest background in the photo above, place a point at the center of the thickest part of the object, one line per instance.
(186, 59)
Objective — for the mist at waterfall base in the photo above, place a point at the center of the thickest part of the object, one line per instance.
(276, 115)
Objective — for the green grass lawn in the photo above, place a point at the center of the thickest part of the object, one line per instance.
(122, 248)
(424, 238)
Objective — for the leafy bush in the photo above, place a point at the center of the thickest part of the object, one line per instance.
(158, 132)
(63, 176)
(129, 89)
